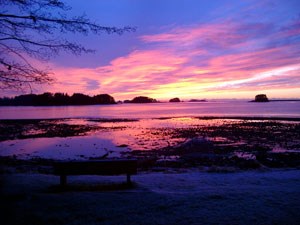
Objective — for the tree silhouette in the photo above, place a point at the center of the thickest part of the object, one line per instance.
(49, 99)
(28, 30)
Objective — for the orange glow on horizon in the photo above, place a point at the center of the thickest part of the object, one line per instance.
(176, 67)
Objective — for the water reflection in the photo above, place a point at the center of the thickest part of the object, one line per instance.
(115, 138)
(155, 110)
(108, 139)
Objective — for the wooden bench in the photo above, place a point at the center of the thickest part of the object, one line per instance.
(97, 167)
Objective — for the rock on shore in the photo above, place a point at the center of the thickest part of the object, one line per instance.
(143, 99)
(261, 98)
(174, 100)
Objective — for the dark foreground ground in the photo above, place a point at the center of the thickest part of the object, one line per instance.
(213, 171)
(173, 197)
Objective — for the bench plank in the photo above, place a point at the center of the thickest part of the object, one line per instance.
(97, 167)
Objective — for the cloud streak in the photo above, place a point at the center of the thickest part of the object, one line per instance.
(210, 59)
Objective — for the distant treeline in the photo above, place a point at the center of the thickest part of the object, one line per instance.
(48, 99)
(141, 99)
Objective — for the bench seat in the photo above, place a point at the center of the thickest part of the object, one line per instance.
(97, 167)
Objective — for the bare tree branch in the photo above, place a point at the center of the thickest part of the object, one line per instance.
(31, 29)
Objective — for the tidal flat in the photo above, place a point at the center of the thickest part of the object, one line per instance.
(208, 143)
(190, 171)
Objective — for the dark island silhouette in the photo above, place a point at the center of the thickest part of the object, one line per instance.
(57, 99)
(61, 99)
(174, 100)
(141, 99)
(261, 98)
(264, 98)
(198, 100)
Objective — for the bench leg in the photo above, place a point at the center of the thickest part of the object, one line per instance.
(128, 179)
(63, 180)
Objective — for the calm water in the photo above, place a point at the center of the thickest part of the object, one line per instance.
(136, 134)
(156, 110)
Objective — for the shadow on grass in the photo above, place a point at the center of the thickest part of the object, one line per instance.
(91, 187)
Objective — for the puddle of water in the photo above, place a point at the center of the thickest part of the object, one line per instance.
(81, 147)
(144, 134)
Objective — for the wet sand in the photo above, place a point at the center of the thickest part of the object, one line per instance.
(234, 142)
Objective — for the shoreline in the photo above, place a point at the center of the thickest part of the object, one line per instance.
(217, 142)
(230, 109)
(120, 119)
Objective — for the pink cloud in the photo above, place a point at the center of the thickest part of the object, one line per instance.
(162, 74)
(223, 34)
(194, 61)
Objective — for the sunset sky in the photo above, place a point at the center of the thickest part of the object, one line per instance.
(186, 49)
